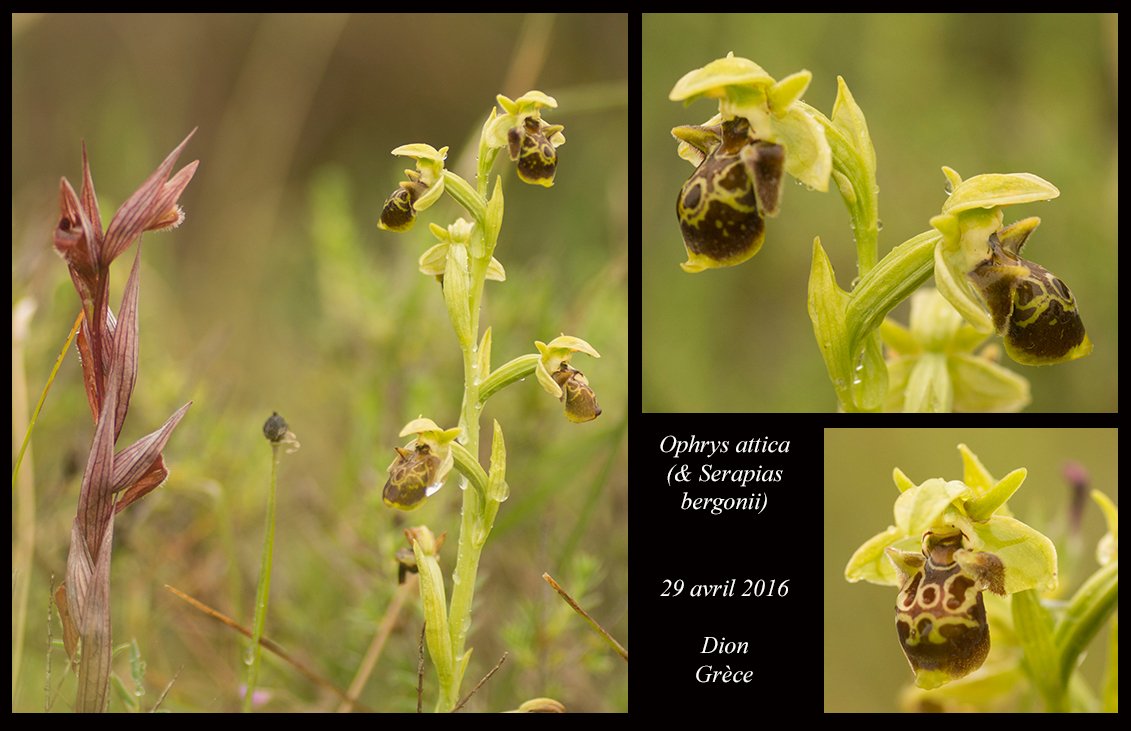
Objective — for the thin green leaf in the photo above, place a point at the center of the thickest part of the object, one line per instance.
(1087, 611)
(1034, 629)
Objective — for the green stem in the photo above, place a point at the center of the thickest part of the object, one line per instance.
(264, 589)
(901, 272)
(472, 516)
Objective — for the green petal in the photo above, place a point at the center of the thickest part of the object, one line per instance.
(983, 507)
(975, 473)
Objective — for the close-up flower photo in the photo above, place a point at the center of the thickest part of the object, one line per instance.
(919, 148)
(1005, 579)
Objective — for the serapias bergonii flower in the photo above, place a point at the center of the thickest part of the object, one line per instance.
(528, 139)
(567, 384)
(740, 156)
(88, 251)
(108, 349)
(419, 469)
(423, 187)
(978, 268)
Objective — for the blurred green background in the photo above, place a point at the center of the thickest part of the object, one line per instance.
(279, 293)
(864, 668)
(979, 93)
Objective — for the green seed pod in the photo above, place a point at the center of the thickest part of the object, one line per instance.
(939, 615)
(275, 429)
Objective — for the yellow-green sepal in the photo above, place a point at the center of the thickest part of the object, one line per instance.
(712, 80)
(922, 507)
(1029, 556)
(808, 156)
(870, 562)
(784, 93)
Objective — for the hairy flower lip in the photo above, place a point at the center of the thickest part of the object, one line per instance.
(762, 131)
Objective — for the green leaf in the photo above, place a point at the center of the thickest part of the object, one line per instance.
(1034, 630)
(1087, 611)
